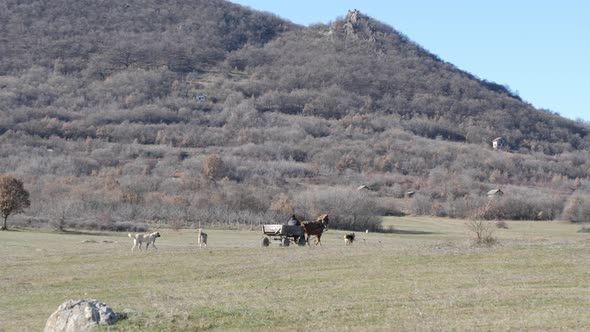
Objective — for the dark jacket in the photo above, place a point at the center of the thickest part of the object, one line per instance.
(293, 221)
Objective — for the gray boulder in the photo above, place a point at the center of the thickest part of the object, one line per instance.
(80, 315)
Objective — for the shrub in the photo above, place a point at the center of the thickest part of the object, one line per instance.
(421, 204)
(213, 167)
(481, 229)
(461, 207)
(526, 204)
(232, 219)
(177, 223)
(125, 226)
(577, 208)
(501, 224)
(348, 208)
(282, 205)
(29, 222)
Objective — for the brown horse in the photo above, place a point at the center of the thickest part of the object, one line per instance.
(316, 228)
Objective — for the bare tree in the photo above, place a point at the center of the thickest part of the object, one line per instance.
(282, 205)
(213, 167)
(61, 211)
(482, 230)
(13, 197)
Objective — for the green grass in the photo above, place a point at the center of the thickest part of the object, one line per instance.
(425, 276)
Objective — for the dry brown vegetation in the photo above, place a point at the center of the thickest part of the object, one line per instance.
(107, 134)
(13, 198)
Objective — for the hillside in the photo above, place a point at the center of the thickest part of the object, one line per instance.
(114, 113)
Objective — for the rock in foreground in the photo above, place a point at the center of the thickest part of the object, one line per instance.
(80, 315)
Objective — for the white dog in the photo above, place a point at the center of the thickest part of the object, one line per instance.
(202, 241)
(148, 238)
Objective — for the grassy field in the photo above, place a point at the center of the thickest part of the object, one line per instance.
(426, 276)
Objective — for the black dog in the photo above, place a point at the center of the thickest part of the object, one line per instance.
(349, 238)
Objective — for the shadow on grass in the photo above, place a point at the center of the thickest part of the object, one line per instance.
(17, 229)
(89, 233)
(12, 229)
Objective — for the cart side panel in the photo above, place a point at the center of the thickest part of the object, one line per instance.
(284, 230)
(292, 230)
(272, 229)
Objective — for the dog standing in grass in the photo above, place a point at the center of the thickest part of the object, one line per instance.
(202, 241)
(349, 239)
(148, 238)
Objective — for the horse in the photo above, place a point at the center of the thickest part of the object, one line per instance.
(316, 228)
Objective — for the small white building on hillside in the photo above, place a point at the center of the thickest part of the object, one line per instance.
(495, 193)
(498, 143)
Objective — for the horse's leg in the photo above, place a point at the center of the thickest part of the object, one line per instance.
(319, 242)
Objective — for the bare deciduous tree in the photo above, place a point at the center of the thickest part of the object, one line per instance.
(213, 167)
(282, 205)
(13, 197)
(482, 230)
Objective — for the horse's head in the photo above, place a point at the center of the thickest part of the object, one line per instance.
(324, 220)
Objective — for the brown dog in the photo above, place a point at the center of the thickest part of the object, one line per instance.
(148, 238)
(349, 238)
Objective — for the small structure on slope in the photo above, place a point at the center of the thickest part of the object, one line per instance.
(495, 193)
(499, 143)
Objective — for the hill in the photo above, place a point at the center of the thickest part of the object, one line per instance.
(205, 111)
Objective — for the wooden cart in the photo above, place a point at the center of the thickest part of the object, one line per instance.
(285, 234)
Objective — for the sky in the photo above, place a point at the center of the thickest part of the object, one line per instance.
(540, 49)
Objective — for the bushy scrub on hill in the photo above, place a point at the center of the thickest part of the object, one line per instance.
(577, 208)
(349, 209)
(527, 205)
(110, 131)
(516, 204)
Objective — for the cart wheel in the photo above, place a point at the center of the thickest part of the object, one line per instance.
(265, 242)
(286, 242)
(301, 241)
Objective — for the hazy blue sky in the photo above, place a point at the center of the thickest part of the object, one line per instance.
(541, 49)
